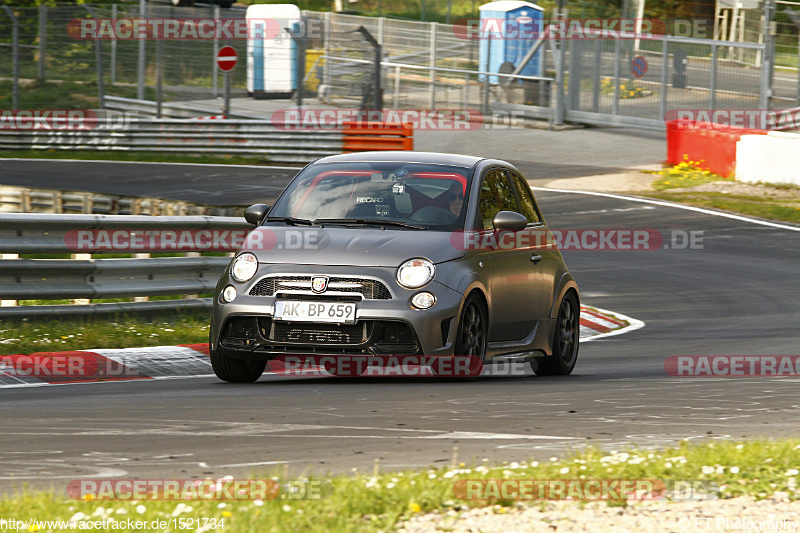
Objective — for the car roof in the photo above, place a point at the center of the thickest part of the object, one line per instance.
(466, 161)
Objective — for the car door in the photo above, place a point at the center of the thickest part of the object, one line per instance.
(516, 280)
(542, 245)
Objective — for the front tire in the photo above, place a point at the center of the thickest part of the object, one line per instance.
(234, 370)
(471, 335)
(566, 338)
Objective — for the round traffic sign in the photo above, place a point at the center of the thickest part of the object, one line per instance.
(638, 66)
(226, 58)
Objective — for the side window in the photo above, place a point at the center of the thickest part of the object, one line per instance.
(526, 206)
(496, 196)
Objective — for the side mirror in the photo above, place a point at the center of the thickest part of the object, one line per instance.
(509, 221)
(256, 213)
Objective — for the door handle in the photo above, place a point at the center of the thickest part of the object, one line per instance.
(536, 258)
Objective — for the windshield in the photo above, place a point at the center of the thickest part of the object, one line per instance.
(403, 195)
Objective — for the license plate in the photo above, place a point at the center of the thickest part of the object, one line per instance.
(338, 312)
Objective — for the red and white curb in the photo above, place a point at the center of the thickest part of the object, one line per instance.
(191, 360)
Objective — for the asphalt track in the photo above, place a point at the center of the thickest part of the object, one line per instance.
(203, 184)
(736, 295)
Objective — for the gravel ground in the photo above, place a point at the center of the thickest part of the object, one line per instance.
(736, 514)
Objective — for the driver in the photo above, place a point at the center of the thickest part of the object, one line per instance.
(455, 198)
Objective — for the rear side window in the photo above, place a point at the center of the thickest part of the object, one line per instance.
(496, 195)
(526, 205)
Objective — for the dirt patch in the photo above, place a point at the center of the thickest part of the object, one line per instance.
(633, 180)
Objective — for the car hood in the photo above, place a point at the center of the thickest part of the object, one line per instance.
(371, 247)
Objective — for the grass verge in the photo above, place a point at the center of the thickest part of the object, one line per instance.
(27, 336)
(755, 206)
(672, 182)
(378, 503)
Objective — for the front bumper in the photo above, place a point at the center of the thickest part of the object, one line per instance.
(386, 326)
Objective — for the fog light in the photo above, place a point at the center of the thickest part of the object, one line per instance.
(423, 300)
(228, 293)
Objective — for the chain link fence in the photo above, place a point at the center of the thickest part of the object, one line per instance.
(425, 65)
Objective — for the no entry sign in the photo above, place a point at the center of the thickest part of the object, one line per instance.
(226, 58)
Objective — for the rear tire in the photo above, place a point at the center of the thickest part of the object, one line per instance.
(566, 339)
(234, 370)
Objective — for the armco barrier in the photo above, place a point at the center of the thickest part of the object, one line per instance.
(712, 145)
(225, 136)
(364, 136)
(47, 279)
(774, 158)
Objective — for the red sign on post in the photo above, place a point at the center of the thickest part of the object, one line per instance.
(226, 58)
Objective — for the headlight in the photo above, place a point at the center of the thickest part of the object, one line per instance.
(229, 294)
(415, 273)
(244, 267)
(423, 300)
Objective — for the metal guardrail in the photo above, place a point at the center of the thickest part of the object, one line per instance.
(244, 137)
(27, 200)
(81, 278)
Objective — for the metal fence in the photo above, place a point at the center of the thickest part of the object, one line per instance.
(27, 200)
(246, 137)
(83, 278)
(681, 73)
(428, 64)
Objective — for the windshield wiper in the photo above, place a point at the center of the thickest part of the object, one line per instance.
(291, 221)
(368, 222)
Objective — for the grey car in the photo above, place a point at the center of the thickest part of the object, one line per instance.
(422, 256)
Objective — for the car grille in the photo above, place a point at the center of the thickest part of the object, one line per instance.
(262, 334)
(319, 333)
(370, 289)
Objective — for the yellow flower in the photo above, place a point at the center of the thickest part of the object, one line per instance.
(88, 496)
(414, 507)
(226, 514)
(34, 527)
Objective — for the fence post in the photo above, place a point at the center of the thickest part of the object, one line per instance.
(114, 47)
(598, 58)
(15, 57)
(664, 77)
(432, 60)
(575, 75)
(141, 64)
(214, 70)
(159, 79)
(768, 61)
(397, 86)
(615, 102)
(485, 106)
(98, 57)
(42, 42)
(712, 89)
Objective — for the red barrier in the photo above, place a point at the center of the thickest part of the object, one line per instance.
(364, 136)
(712, 146)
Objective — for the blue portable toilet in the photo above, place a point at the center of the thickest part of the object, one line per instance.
(509, 28)
(271, 51)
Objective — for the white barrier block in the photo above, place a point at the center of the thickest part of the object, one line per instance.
(772, 158)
